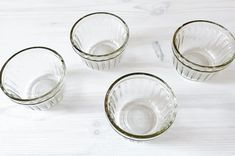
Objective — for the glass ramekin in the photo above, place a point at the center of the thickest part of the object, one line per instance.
(202, 48)
(140, 106)
(100, 38)
(34, 77)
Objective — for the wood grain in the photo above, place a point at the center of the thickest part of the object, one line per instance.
(205, 122)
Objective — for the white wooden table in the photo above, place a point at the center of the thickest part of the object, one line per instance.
(205, 123)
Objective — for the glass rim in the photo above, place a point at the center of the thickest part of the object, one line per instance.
(97, 13)
(196, 64)
(125, 133)
(99, 60)
(47, 93)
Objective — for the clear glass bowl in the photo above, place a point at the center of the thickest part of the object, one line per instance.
(34, 77)
(140, 106)
(201, 49)
(100, 38)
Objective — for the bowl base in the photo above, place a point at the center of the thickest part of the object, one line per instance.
(41, 85)
(138, 117)
(200, 56)
(103, 47)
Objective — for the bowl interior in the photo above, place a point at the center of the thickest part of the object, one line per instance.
(205, 43)
(141, 105)
(99, 34)
(32, 73)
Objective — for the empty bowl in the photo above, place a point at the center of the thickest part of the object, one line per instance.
(34, 77)
(100, 38)
(140, 106)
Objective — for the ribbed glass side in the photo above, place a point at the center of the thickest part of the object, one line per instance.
(103, 65)
(190, 73)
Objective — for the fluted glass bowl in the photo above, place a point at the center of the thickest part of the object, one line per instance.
(34, 77)
(140, 106)
(100, 38)
(201, 49)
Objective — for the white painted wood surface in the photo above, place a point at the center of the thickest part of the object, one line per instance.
(205, 123)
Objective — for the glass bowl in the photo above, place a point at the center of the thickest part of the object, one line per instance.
(140, 106)
(202, 48)
(34, 77)
(100, 38)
